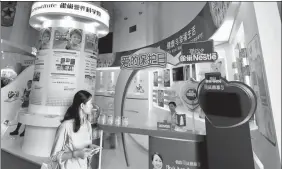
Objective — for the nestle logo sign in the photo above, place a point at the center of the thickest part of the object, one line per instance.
(164, 126)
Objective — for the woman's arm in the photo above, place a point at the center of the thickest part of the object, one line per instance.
(59, 152)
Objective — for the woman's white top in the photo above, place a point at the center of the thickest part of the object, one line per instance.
(67, 140)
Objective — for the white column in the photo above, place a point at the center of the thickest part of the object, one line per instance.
(269, 27)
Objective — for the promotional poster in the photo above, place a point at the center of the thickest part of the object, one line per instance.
(38, 87)
(90, 72)
(264, 115)
(156, 79)
(177, 154)
(45, 37)
(167, 78)
(161, 98)
(67, 38)
(64, 62)
(91, 43)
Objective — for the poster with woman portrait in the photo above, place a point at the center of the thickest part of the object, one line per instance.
(167, 78)
(177, 154)
(156, 79)
(67, 38)
(44, 38)
(161, 98)
(264, 115)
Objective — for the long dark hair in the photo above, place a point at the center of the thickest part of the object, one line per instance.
(81, 96)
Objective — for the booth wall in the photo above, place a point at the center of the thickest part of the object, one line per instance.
(21, 33)
(250, 30)
(270, 36)
(158, 21)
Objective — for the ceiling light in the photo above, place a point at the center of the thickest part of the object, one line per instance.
(36, 25)
(68, 18)
(41, 18)
(96, 24)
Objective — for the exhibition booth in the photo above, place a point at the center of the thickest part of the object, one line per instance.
(173, 98)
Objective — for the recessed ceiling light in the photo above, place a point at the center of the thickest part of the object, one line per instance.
(36, 25)
(68, 18)
(41, 18)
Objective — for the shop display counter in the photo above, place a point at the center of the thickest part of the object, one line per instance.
(194, 140)
(154, 132)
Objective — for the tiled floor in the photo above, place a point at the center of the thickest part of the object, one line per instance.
(111, 158)
(137, 154)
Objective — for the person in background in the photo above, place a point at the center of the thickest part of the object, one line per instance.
(72, 147)
(171, 118)
(157, 161)
(25, 104)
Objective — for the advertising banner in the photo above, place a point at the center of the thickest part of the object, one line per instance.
(177, 154)
(143, 60)
(198, 52)
(201, 28)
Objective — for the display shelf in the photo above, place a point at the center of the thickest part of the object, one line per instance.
(136, 96)
(153, 131)
(128, 96)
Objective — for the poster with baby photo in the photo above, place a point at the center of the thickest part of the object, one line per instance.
(44, 38)
(167, 78)
(91, 43)
(156, 79)
(67, 38)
